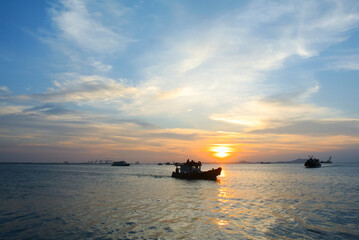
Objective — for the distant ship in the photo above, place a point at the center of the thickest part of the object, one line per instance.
(312, 162)
(167, 163)
(328, 161)
(120, 163)
(192, 170)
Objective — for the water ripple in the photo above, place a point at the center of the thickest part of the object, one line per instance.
(144, 202)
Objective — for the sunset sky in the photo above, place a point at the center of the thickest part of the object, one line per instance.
(155, 81)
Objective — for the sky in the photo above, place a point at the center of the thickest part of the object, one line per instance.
(157, 81)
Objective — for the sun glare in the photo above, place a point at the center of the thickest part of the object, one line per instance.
(221, 151)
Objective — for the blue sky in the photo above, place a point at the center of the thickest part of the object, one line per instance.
(169, 80)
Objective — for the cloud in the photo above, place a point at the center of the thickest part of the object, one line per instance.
(291, 98)
(219, 70)
(50, 109)
(100, 66)
(90, 35)
(350, 62)
(228, 60)
(209, 65)
(36, 129)
(85, 30)
(316, 128)
(4, 90)
(275, 110)
(34, 126)
(80, 89)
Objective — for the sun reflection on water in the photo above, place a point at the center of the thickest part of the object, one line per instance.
(223, 174)
(223, 201)
(222, 222)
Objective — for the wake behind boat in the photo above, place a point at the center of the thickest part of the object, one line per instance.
(192, 170)
(328, 161)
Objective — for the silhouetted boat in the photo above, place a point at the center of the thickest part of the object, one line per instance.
(192, 170)
(120, 163)
(328, 161)
(312, 162)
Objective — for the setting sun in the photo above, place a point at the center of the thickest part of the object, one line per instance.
(221, 151)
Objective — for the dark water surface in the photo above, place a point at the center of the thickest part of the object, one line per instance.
(276, 201)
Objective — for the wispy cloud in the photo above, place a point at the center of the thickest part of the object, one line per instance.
(100, 66)
(317, 128)
(4, 90)
(50, 109)
(229, 60)
(79, 89)
(85, 29)
(350, 62)
(275, 110)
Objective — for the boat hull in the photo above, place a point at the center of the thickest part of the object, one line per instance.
(207, 175)
(313, 166)
(120, 164)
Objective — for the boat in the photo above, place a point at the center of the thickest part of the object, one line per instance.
(328, 161)
(120, 163)
(192, 170)
(312, 162)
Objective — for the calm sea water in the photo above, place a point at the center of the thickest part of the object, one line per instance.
(276, 201)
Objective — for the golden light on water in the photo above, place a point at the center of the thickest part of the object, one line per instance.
(223, 173)
(223, 199)
(222, 222)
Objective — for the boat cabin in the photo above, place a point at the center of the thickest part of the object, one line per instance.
(189, 166)
(312, 162)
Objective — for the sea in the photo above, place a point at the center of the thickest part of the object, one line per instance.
(248, 201)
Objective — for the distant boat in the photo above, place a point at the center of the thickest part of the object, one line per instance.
(159, 164)
(328, 161)
(120, 163)
(312, 162)
(192, 170)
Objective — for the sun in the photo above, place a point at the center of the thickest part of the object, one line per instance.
(221, 152)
